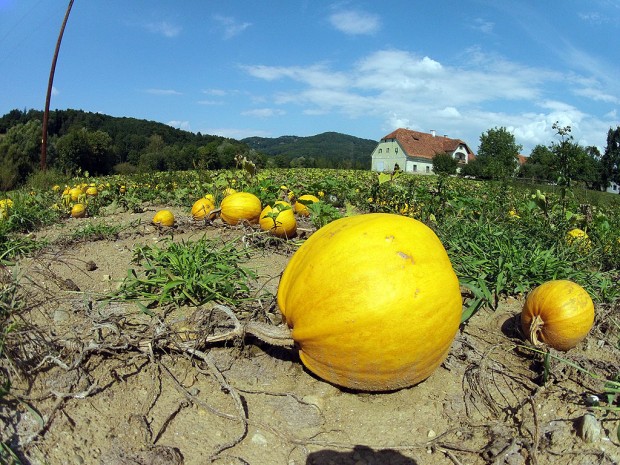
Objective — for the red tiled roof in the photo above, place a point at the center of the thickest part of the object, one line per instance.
(522, 159)
(424, 145)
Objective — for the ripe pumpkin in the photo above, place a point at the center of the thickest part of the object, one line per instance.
(559, 313)
(78, 210)
(372, 302)
(201, 209)
(579, 239)
(164, 218)
(92, 191)
(75, 193)
(5, 206)
(240, 206)
(279, 220)
(301, 207)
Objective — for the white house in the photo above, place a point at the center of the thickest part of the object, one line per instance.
(413, 151)
(614, 188)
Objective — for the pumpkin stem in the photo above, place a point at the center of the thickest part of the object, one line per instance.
(535, 329)
(274, 335)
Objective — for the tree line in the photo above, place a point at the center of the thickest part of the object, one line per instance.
(102, 144)
(563, 162)
(81, 141)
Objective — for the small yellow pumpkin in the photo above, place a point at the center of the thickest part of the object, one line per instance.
(300, 205)
(78, 210)
(202, 209)
(240, 206)
(559, 313)
(75, 193)
(579, 239)
(372, 302)
(5, 206)
(92, 191)
(164, 218)
(279, 220)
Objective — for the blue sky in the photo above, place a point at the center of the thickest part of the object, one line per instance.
(283, 67)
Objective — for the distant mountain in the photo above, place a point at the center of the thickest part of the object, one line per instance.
(329, 149)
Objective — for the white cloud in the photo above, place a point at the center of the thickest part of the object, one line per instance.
(355, 22)
(231, 26)
(210, 102)
(460, 99)
(264, 112)
(162, 92)
(184, 125)
(482, 25)
(215, 92)
(164, 28)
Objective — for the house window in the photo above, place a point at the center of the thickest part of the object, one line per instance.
(428, 169)
(380, 150)
(387, 150)
(396, 150)
(415, 168)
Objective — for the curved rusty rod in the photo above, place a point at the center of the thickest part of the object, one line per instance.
(48, 97)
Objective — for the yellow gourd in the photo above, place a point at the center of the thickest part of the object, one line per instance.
(240, 206)
(300, 205)
(372, 302)
(75, 193)
(559, 313)
(164, 218)
(202, 209)
(78, 210)
(279, 220)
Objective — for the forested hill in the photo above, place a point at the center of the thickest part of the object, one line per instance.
(101, 144)
(326, 150)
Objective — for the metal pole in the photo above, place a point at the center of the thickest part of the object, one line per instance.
(46, 112)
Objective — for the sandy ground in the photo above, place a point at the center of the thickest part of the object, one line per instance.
(108, 398)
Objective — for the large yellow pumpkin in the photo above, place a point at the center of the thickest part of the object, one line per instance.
(240, 206)
(559, 313)
(372, 302)
(202, 209)
(279, 220)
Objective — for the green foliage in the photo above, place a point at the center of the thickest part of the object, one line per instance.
(99, 231)
(327, 150)
(322, 213)
(188, 273)
(610, 160)
(443, 163)
(498, 154)
(19, 153)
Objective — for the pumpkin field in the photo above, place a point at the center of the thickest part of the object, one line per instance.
(308, 316)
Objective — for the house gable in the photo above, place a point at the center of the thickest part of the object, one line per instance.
(414, 151)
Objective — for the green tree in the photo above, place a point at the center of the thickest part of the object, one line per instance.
(540, 165)
(20, 150)
(498, 154)
(610, 161)
(566, 153)
(85, 150)
(443, 163)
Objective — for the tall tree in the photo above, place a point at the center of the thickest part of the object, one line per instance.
(610, 161)
(540, 165)
(498, 153)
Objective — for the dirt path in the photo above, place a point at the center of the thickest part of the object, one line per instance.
(110, 402)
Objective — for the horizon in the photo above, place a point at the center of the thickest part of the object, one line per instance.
(244, 70)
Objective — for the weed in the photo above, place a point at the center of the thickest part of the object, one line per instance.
(188, 273)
